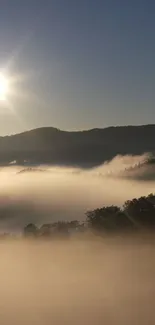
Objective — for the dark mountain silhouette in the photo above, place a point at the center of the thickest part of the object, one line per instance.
(82, 148)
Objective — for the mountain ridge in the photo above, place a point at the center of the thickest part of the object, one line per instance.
(87, 148)
(80, 131)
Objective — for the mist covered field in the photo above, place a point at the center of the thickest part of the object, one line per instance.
(81, 282)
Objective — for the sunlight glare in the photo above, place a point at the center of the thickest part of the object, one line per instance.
(4, 87)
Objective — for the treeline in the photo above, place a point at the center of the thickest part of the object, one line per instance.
(135, 215)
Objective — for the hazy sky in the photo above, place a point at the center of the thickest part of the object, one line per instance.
(85, 63)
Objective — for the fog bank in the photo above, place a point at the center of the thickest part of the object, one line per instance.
(66, 193)
(77, 283)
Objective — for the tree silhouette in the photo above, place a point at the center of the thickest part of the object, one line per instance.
(108, 219)
(30, 230)
(45, 230)
(138, 213)
(60, 229)
(142, 211)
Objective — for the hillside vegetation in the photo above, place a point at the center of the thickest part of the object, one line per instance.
(84, 148)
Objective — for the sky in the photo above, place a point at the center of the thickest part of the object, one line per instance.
(77, 64)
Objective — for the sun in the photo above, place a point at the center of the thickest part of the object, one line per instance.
(4, 87)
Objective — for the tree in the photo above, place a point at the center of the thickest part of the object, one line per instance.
(60, 229)
(108, 219)
(141, 211)
(45, 230)
(74, 224)
(30, 230)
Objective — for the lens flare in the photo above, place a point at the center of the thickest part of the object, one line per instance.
(4, 87)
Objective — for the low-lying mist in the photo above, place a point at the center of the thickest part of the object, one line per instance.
(102, 282)
(90, 280)
(60, 193)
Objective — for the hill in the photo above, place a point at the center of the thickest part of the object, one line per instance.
(81, 148)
